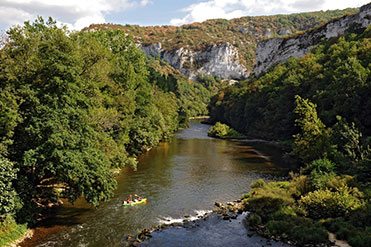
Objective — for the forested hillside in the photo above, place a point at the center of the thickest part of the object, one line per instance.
(76, 106)
(318, 107)
(244, 33)
(335, 76)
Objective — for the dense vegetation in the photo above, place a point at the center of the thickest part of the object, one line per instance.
(193, 98)
(244, 33)
(74, 107)
(223, 131)
(318, 106)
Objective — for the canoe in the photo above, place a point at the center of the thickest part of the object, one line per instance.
(144, 200)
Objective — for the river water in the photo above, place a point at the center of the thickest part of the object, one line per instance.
(182, 177)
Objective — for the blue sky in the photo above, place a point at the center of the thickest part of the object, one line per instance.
(155, 13)
(77, 14)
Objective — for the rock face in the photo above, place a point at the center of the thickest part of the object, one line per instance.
(276, 50)
(217, 60)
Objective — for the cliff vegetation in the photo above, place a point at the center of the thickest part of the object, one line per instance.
(318, 107)
(244, 33)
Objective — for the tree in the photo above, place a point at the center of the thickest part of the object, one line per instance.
(9, 201)
(54, 145)
(313, 141)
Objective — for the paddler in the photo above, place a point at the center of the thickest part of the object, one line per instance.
(138, 199)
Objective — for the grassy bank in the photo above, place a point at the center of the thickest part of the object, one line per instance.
(304, 209)
(10, 231)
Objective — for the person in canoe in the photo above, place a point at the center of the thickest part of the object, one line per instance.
(137, 198)
(129, 200)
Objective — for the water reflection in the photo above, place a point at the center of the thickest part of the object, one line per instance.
(190, 173)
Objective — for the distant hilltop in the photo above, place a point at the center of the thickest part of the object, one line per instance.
(222, 48)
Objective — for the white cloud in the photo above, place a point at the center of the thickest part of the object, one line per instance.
(229, 9)
(76, 14)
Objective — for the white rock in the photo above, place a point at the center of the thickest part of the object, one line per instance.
(276, 50)
(217, 60)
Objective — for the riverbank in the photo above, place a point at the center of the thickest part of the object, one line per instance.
(226, 225)
(11, 233)
(181, 177)
(26, 235)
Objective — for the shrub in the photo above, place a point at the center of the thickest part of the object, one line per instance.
(276, 227)
(218, 130)
(320, 166)
(327, 204)
(339, 182)
(300, 229)
(320, 171)
(223, 131)
(362, 239)
(285, 212)
(299, 186)
(309, 234)
(346, 230)
(334, 225)
(258, 184)
(319, 180)
(268, 199)
(10, 231)
(254, 219)
(361, 217)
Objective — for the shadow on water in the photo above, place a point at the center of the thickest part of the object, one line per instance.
(185, 175)
(69, 217)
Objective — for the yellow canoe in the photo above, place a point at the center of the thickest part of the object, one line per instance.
(144, 200)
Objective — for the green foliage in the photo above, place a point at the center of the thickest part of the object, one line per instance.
(299, 186)
(10, 231)
(302, 230)
(254, 219)
(9, 201)
(243, 32)
(320, 171)
(349, 147)
(74, 106)
(336, 181)
(260, 183)
(347, 230)
(326, 203)
(263, 107)
(313, 141)
(192, 97)
(268, 199)
(223, 131)
(320, 166)
(218, 130)
(361, 239)
(8, 115)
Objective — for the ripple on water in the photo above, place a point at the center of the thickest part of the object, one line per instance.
(189, 173)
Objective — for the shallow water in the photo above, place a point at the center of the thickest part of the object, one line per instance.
(185, 176)
(214, 232)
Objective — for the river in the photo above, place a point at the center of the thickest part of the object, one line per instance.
(182, 177)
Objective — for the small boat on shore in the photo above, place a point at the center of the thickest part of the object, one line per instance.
(144, 200)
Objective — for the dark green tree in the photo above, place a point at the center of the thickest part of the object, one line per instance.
(312, 142)
(9, 201)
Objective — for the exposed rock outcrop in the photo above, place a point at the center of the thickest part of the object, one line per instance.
(276, 50)
(217, 60)
(284, 31)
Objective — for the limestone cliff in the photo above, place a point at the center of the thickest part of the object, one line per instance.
(276, 50)
(218, 60)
